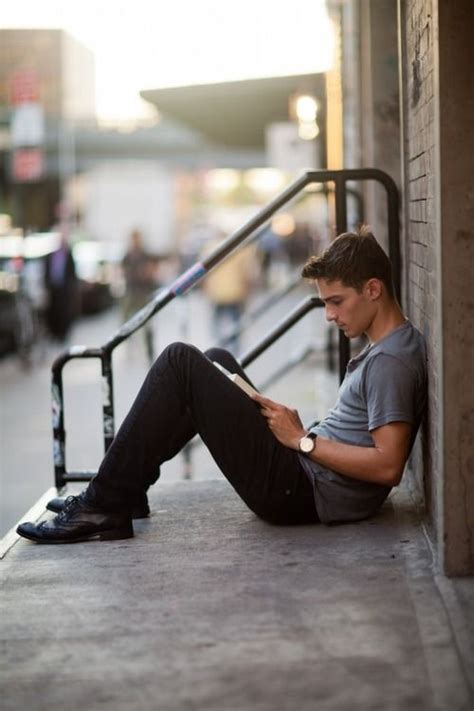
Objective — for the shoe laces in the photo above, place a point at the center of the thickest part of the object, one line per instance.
(70, 503)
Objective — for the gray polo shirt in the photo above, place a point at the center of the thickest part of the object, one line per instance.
(385, 383)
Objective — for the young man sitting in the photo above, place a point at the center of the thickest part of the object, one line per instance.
(341, 470)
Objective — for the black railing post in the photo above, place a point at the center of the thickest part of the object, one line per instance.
(59, 434)
(57, 410)
(341, 226)
(107, 399)
(394, 235)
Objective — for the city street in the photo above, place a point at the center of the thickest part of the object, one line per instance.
(25, 424)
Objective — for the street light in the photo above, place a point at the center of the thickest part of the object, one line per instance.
(304, 110)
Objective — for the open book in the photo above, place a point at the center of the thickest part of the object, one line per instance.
(237, 379)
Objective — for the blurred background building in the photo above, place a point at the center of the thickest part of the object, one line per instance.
(47, 82)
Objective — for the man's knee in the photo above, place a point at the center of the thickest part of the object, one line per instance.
(183, 354)
(177, 349)
(221, 356)
(176, 354)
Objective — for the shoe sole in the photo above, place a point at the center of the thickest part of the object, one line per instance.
(116, 534)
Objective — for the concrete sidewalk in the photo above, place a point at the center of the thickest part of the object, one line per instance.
(210, 608)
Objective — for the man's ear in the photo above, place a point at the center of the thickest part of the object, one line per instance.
(373, 288)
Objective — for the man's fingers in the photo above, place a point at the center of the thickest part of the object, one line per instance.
(265, 401)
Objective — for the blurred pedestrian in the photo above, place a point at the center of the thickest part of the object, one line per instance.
(141, 281)
(273, 259)
(228, 287)
(62, 302)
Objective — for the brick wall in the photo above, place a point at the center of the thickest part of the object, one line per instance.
(421, 277)
(438, 121)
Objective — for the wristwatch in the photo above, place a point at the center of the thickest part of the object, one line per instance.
(308, 442)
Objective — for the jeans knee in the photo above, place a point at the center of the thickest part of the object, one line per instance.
(222, 356)
(178, 348)
(174, 354)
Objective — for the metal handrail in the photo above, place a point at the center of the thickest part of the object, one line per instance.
(300, 310)
(270, 300)
(276, 296)
(194, 275)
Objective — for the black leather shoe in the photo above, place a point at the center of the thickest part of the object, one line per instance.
(78, 521)
(141, 508)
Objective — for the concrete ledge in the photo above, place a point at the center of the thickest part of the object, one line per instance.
(210, 608)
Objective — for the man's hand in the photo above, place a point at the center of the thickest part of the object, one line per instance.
(284, 422)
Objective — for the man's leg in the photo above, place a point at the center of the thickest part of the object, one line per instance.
(185, 432)
(183, 394)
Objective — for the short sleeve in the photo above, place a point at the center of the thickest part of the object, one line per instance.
(389, 386)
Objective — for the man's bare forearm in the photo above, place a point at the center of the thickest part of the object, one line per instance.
(383, 463)
(363, 463)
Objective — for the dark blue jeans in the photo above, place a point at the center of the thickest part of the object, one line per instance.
(184, 394)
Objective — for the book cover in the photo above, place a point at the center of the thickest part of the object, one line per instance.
(237, 379)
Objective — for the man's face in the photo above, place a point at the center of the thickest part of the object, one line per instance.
(352, 311)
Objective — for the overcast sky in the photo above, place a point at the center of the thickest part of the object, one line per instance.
(145, 44)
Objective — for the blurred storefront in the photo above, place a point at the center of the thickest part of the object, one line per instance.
(47, 81)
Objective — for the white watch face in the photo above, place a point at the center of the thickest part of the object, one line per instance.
(306, 444)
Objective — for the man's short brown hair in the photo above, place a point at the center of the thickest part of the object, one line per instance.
(352, 258)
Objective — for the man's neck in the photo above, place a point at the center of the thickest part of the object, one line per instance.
(387, 319)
